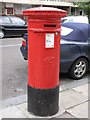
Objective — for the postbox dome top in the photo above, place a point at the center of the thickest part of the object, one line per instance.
(43, 12)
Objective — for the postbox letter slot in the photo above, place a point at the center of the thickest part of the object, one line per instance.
(46, 25)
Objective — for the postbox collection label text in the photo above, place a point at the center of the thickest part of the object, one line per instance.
(49, 40)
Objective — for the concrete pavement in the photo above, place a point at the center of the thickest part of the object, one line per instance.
(73, 103)
(14, 71)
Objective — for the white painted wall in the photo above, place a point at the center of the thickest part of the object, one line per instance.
(39, 2)
(9, 5)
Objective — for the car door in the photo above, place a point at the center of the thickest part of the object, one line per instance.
(19, 26)
(89, 50)
(6, 25)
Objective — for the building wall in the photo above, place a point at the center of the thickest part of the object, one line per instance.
(0, 8)
(17, 8)
(69, 11)
(9, 6)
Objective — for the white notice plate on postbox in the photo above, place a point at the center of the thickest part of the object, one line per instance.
(49, 40)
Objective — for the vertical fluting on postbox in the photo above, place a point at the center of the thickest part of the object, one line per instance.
(43, 59)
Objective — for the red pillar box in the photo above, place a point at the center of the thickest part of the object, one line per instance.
(43, 59)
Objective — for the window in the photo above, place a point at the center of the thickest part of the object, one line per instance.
(4, 20)
(65, 31)
(70, 20)
(66, 20)
(63, 20)
(18, 21)
(89, 40)
(9, 11)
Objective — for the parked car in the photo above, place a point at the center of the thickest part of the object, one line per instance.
(78, 19)
(74, 49)
(11, 25)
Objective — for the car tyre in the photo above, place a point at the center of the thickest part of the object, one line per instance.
(79, 68)
(25, 58)
(2, 34)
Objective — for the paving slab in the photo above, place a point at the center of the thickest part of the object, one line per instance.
(13, 101)
(73, 83)
(89, 109)
(82, 89)
(11, 112)
(79, 111)
(65, 115)
(23, 108)
(1, 115)
(71, 98)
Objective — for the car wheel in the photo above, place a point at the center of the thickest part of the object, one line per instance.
(2, 34)
(25, 58)
(79, 68)
(22, 35)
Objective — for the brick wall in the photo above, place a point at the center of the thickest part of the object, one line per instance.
(0, 8)
(18, 8)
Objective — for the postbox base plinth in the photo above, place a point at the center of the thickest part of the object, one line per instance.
(43, 102)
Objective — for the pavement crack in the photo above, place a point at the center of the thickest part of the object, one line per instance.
(76, 105)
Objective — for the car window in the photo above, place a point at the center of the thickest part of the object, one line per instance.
(66, 20)
(80, 19)
(65, 31)
(70, 20)
(89, 40)
(17, 21)
(4, 20)
(63, 20)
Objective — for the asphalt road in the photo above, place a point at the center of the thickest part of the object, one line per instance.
(14, 72)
